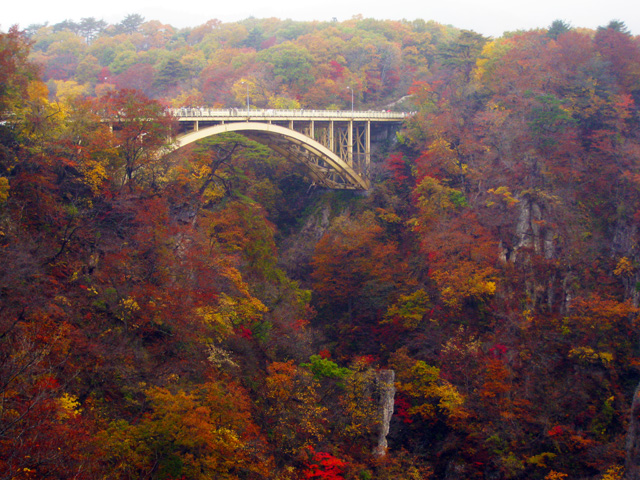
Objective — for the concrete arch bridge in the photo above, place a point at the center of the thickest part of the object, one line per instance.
(335, 146)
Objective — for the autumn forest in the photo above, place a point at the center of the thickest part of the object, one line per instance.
(208, 313)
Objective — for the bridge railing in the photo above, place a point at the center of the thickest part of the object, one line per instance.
(202, 113)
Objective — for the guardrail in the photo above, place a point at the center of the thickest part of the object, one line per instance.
(196, 112)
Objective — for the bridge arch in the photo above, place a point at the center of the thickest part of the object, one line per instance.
(325, 167)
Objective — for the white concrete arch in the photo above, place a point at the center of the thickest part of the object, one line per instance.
(342, 175)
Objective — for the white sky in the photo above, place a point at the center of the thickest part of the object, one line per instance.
(488, 17)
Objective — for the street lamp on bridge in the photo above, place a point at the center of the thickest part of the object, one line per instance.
(349, 88)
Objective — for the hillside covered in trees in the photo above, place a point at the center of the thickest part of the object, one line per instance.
(278, 63)
(204, 313)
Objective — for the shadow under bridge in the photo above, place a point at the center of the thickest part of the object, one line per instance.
(334, 146)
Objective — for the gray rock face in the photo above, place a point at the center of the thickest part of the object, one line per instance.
(632, 464)
(387, 392)
(529, 232)
(298, 249)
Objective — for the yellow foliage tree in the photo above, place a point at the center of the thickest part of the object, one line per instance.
(358, 400)
(295, 416)
(200, 434)
(432, 397)
(467, 281)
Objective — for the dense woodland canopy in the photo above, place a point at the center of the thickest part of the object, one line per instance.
(204, 313)
(279, 63)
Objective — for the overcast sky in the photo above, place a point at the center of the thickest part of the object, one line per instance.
(488, 17)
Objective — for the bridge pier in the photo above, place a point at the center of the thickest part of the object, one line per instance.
(349, 158)
(332, 143)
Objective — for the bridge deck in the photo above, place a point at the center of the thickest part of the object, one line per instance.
(190, 114)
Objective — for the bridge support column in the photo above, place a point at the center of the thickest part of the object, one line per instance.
(332, 143)
(367, 152)
(350, 145)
